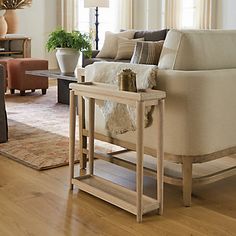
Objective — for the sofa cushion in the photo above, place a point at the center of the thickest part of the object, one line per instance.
(126, 48)
(147, 52)
(151, 35)
(199, 50)
(89, 61)
(110, 46)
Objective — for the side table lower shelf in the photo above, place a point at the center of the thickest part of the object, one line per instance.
(115, 194)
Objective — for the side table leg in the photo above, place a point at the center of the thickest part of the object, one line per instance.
(82, 138)
(139, 165)
(72, 137)
(160, 154)
(91, 135)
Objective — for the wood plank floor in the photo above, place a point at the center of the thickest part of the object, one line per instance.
(39, 203)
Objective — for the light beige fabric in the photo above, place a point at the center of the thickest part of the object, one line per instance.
(120, 118)
(68, 14)
(206, 14)
(147, 52)
(124, 13)
(110, 46)
(199, 50)
(200, 113)
(126, 48)
(173, 13)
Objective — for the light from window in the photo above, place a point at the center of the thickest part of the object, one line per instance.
(189, 14)
(107, 20)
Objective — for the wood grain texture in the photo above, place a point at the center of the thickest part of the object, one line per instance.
(72, 137)
(40, 203)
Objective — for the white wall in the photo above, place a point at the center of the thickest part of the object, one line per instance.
(37, 22)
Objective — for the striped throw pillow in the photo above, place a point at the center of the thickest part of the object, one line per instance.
(147, 52)
(126, 48)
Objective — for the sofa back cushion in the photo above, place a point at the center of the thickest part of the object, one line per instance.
(151, 35)
(147, 52)
(199, 50)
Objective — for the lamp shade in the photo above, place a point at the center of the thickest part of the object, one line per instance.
(96, 3)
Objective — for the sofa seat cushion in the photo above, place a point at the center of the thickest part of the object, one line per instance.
(89, 61)
(199, 50)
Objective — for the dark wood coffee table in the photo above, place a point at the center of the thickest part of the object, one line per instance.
(63, 82)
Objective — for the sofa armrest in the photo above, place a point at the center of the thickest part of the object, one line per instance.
(84, 57)
(200, 110)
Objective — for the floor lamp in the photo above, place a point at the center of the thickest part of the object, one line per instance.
(96, 4)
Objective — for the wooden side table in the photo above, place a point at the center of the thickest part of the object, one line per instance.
(132, 201)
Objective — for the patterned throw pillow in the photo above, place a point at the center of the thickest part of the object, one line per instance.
(147, 52)
(126, 48)
(110, 46)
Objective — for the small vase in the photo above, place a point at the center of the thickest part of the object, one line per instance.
(12, 21)
(67, 59)
(3, 25)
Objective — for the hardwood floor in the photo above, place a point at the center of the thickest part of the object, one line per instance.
(40, 203)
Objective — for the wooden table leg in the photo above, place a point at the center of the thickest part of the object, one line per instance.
(72, 137)
(139, 166)
(82, 138)
(91, 135)
(160, 154)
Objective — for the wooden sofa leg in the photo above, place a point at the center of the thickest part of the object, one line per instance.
(187, 180)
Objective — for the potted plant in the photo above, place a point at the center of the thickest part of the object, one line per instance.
(68, 46)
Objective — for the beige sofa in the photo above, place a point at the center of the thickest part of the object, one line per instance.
(197, 69)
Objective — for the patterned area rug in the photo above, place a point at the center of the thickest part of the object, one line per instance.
(34, 147)
(39, 130)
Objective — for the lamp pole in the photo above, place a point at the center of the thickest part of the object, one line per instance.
(96, 4)
(96, 25)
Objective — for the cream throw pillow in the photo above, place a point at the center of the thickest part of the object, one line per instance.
(147, 52)
(110, 46)
(126, 48)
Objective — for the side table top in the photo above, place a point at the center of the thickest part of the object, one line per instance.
(103, 91)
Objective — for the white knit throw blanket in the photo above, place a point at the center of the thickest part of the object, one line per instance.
(121, 118)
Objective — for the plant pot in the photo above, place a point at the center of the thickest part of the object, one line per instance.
(12, 21)
(67, 59)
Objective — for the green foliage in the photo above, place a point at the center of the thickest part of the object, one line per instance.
(75, 39)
